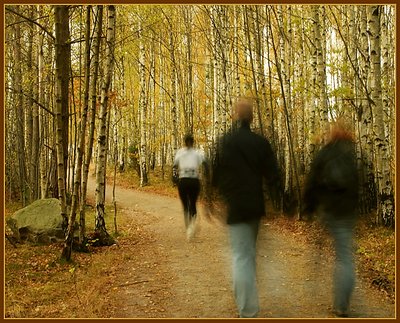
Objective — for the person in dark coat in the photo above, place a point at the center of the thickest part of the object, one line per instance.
(243, 160)
(331, 191)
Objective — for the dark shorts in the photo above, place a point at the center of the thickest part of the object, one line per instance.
(189, 189)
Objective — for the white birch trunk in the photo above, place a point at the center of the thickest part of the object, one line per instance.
(382, 167)
(100, 226)
(142, 109)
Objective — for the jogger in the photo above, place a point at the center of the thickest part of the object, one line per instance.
(187, 164)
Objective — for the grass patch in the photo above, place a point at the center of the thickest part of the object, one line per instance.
(376, 254)
(39, 285)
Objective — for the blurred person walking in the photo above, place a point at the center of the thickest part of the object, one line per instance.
(331, 192)
(186, 173)
(243, 159)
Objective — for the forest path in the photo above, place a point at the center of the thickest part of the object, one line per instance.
(175, 278)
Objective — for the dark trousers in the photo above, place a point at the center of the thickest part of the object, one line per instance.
(189, 189)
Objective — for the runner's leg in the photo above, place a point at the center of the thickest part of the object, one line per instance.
(183, 195)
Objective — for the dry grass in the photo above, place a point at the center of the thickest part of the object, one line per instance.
(376, 254)
(38, 284)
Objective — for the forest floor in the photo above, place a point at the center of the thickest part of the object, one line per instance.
(153, 271)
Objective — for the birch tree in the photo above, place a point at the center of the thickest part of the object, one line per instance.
(93, 101)
(66, 253)
(382, 171)
(62, 80)
(100, 225)
(142, 109)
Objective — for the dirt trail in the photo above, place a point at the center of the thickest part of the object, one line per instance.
(193, 279)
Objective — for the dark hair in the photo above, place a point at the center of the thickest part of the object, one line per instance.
(189, 140)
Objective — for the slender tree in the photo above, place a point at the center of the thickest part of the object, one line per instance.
(66, 253)
(143, 110)
(100, 225)
(93, 102)
(62, 80)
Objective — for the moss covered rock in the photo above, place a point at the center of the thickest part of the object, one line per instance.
(40, 222)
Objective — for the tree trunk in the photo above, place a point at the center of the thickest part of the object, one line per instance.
(162, 109)
(29, 112)
(100, 225)
(93, 98)
(19, 112)
(43, 122)
(253, 67)
(62, 75)
(34, 171)
(142, 109)
(173, 92)
(385, 212)
(320, 43)
(216, 75)
(236, 15)
(66, 253)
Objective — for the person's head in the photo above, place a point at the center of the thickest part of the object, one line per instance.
(340, 130)
(189, 140)
(243, 111)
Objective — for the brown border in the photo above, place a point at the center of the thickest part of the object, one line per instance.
(303, 2)
(2, 153)
(397, 159)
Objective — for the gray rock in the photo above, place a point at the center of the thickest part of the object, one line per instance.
(39, 222)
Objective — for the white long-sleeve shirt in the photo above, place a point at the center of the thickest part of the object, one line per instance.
(188, 161)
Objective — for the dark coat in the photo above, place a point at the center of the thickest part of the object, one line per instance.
(243, 159)
(333, 180)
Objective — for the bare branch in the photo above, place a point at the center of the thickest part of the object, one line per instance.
(32, 21)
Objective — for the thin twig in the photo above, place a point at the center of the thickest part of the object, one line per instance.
(133, 283)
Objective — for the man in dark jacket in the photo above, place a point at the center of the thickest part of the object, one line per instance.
(243, 159)
(332, 192)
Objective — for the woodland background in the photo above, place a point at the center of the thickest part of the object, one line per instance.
(119, 86)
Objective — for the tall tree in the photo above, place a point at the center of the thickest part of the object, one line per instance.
(100, 225)
(62, 52)
(19, 111)
(66, 253)
(142, 109)
(93, 102)
(382, 171)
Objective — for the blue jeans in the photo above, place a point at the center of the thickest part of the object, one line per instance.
(341, 231)
(243, 238)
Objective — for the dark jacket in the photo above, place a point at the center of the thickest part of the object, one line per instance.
(243, 159)
(333, 180)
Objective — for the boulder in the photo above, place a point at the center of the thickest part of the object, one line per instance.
(40, 222)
